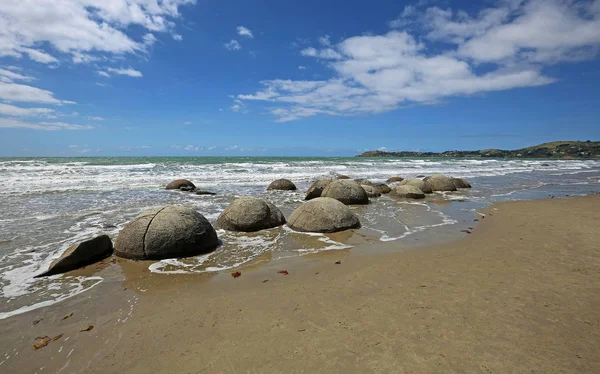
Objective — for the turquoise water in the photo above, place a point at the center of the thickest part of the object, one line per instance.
(46, 204)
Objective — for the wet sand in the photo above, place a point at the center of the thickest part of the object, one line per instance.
(520, 294)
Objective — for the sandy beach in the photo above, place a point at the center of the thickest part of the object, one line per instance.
(521, 293)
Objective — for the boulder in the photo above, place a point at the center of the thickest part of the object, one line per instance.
(347, 191)
(365, 182)
(371, 191)
(408, 191)
(80, 255)
(181, 184)
(382, 188)
(203, 192)
(248, 214)
(323, 214)
(341, 176)
(420, 184)
(317, 188)
(282, 184)
(440, 182)
(395, 179)
(461, 183)
(166, 232)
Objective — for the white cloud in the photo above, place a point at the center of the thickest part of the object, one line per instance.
(93, 118)
(378, 73)
(177, 37)
(47, 126)
(7, 75)
(24, 93)
(81, 27)
(232, 148)
(103, 74)
(301, 67)
(244, 31)
(324, 41)
(238, 106)
(187, 123)
(102, 84)
(233, 45)
(14, 111)
(128, 71)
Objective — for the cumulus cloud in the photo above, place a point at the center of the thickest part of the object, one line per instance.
(233, 45)
(81, 27)
(516, 40)
(47, 126)
(245, 32)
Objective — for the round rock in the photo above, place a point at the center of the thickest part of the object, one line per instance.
(416, 182)
(166, 232)
(440, 182)
(179, 184)
(248, 214)
(347, 191)
(282, 184)
(409, 191)
(371, 191)
(382, 188)
(395, 179)
(323, 214)
(461, 183)
(316, 189)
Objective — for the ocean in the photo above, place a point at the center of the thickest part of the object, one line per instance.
(47, 204)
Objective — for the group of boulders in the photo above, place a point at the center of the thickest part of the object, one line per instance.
(176, 231)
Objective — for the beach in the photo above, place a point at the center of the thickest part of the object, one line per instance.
(519, 294)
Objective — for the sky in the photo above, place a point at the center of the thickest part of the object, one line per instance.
(310, 78)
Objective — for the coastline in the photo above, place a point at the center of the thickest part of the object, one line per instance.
(518, 294)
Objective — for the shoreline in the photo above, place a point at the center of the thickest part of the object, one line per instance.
(484, 302)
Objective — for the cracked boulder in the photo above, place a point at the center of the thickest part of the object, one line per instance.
(166, 232)
(323, 214)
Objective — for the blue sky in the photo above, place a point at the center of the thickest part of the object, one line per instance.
(203, 77)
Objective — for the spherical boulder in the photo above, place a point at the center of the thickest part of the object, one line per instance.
(323, 214)
(317, 188)
(282, 184)
(248, 214)
(408, 191)
(416, 182)
(395, 179)
(461, 183)
(440, 182)
(341, 176)
(382, 188)
(347, 191)
(181, 184)
(371, 191)
(166, 232)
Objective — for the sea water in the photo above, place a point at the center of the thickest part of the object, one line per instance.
(47, 204)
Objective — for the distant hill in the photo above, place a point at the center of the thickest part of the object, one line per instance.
(560, 149)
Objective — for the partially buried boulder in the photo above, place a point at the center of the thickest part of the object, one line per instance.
(371, 191)
(364, 182)
(395, 179)
(181, 184)
(347, 191)
(80, 255)
(416, 182)
(382, 188)
(408, 191)
(461, 183)
(323, 214)
(248, 214)
(166, 232)
(282, 184)
(341, 176)
(317, 188)
(440, 182)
